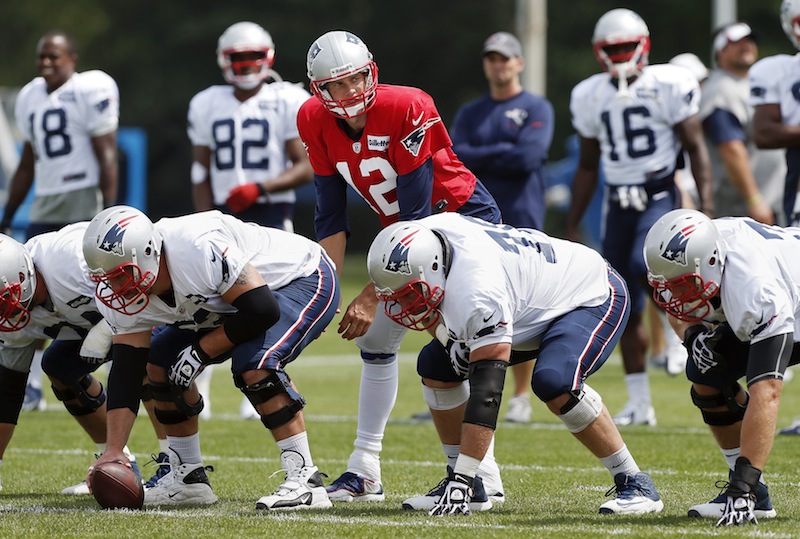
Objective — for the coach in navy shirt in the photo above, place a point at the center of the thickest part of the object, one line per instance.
(504, 136)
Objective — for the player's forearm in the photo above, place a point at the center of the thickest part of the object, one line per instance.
(119, 423)
(737, 168)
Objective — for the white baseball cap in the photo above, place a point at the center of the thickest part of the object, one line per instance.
(692, 63)
(731, 34)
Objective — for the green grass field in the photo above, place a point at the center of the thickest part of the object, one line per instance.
(553, 485)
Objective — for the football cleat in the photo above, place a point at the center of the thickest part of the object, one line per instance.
(82, 489)
(479, 502)
(793, 429)
(519, 409)
(351, 487)
(716, 507)
(635, 495)
(302, 488)
(636, 414)
(162, 460)
(185, 484)
(33, 400)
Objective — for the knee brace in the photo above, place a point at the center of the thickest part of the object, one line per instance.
(183, 410)
(378, 359)
(86, 404)
(581, 409)
(727, 397)
(147, 393)
(12, 394)
(445, 399)
(486, 380)
(272, 385)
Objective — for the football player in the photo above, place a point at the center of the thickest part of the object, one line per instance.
(494, 294)
(69, 122)
(390, 145)
(247, 155)
(221, 289)
(731, 282)
(635, 118)
(46, 294)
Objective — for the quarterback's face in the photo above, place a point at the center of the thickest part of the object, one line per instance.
(55, 62)
(347, 87)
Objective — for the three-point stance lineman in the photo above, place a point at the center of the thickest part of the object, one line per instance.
(496, 294)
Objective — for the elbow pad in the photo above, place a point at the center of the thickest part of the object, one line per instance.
(258, 310)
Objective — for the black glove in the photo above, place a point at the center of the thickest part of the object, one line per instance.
(711, 348)
(191, 360)
(740, 497)
(456, 497)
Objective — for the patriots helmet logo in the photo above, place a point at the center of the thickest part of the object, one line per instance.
(675, 251)
(113, 240)
(398, 258)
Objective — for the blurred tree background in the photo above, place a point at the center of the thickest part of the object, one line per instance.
(162, 53)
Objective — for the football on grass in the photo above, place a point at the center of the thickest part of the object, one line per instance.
(116, 486)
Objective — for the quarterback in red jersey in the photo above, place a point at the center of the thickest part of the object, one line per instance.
(389, 144)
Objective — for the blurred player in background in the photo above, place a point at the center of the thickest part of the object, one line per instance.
(498, 295)
(635, 118)
(221, 289)
(389, 144)
(503, 137)
(248, 157)
(69, 121)
(47, 294)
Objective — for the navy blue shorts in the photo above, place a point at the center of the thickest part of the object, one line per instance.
(307, 307)
(623, 241)
(62, 360)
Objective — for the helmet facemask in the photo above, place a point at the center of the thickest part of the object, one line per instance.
(245, 53)
(415, 305)
(790, 21)
(18, 280)
(621, 43)
(124, 288)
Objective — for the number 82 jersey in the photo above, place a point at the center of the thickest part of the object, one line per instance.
(635, 130)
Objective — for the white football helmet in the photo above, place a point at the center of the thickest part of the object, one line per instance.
(336, 55)
(790, 20)
(408, 264)
(123, 250)
(621, 27)
(18, 277)
(685, 258)
(245, 37)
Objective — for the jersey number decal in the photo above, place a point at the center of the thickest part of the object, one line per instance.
(510, 239)
(640, 141)
(255, 135)
(377, 191)
(56, 141)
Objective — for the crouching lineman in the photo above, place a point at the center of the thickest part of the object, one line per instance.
(46, 294)
(500, 292)
(733, 281)
(265, 292)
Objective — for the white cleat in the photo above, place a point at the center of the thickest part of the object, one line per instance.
(185, 484)
(635, 495)
(302, 488)
(636, 414)
(519, 409)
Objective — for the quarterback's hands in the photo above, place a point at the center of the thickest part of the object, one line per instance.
(242, 197)
(110, 455)
(97, 344)
(358, 316)
(191, 361)
(456, 497)
(703, 346)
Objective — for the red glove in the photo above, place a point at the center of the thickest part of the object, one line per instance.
(242, 197)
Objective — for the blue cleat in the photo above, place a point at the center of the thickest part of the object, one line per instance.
(479, 502)
(350, 487)
(793, 429)
(716, 507)
(636, 495)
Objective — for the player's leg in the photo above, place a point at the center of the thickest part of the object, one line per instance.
(573, 348)
(377, 394)
(14, 365)
(307, 307)
(519, 405)
(177, 410)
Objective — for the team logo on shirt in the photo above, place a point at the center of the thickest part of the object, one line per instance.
(518, 116)
(112, 241)
(675, 251)
(398, 259)
(413, 142)
(103, 105)
(356, 147)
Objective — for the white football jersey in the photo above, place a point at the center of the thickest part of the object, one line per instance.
(760, 288)
(507, 285)
(247, 139)
(205, 253)
(635, 130)
(71, 311)
(772, 82)
(60, 126)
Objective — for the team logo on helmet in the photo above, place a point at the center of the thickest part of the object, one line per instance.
(315, 50)
(112, 242)
(398, 259)
(675, 251)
